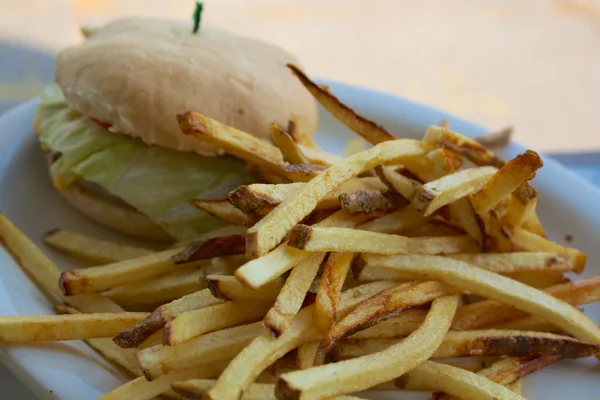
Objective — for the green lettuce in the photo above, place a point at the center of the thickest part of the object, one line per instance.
(156, 181)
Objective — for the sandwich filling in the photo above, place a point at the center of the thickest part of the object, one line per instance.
(156, 181)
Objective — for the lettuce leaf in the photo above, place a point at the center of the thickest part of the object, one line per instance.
(156, 181)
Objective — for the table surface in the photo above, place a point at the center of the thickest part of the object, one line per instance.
(499, 62)
(496, 62)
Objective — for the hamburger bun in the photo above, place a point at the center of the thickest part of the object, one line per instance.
(136, 75)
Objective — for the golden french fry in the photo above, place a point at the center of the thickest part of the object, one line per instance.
(364, 372)
(215, 247)
(458, 382)
(35, 263)
(95, 279)
(194, 323)
(269, 231)
(221, 209)
(302, 172)
(142, 389)
(319, 239)
(396, 222)
(65, 327)
(530, 241)
(369, 130)
(462, 145)
(158, 290)
(463, 213)
(354, 146)
(262, 198)
(515, 172)
(289, 149)
(371, 202)
(212, 347)
(497, 287)
(265, 349)
(290, 299)
(450, 188)
(92, 249)
(496, 238)
(230, 288)
(537, 280)
(197, 388)
(397, 182)
(300, 136)
(401, 325)
(307, 354)
(135, 335)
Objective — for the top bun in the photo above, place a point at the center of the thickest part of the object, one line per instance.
(137, 74)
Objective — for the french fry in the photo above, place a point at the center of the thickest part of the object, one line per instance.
(369, 130)
(402, 324)
(495, 140)
(65, 327)
(265, 349)
(363, 372)
(462, 145)
(233, 141)
(229, 288)
(197, 388)
(521, 204)
(397, 182)
(354, 146)
(289, 149)
(212, 347)
(307, 354)
(300, 136)
(381, 306)
(487, 312)
(481, 343)
(35, 263)
(497, 287)
(458, 382)
(95, 279)
(92, 249)
(532, 222)
(313, 239)
(329, 291)
(450, 188)
(529, 323)
(256, 273)
(209, 248)
(530, 241)
(269, 231)
(496, 238)
(537, 280)
(396, 222)
(262, 198)
(371, 202)
(222, 210)
(317, 156)
(265, 175)
(290, 299)
(142, 389)
(135, 335)
(515, 172)
(463, 213)
(194, 323)
(158, 290)
(302, 172)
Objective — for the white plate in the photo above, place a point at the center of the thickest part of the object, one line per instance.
(568, 205)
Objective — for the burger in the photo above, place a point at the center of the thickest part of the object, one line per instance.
(108, 122)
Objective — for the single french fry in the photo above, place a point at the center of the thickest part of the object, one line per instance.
(497, 287)
(532, 222)
(537, 280)
(158, 290)
(307, 354)
(496, 238)
(529, 323)
(215, 247)
(397, 182)
(515, 172)
(142, 389)
(369, 130)
(194, 323)
(463, 213)
(317, 156)
(269, 231)
(317, 239)
(290, 299)
(489, 342)
(381, 306)
(265, 349)
(402, 324)
(371, 202)
(396, 222)
(221, 209)
(135, 335)
(300, 136)
(212, 347)
(258, 272)
(450, 188)
(230, 288)
(354, 146)
(364, 372)
(65, 327)
(233, 141)
(31, 258)
(92, 249)
(495, 140)
(289, 149)
(462, 145)
(197, 388)
(95, 279)
(530, 241)
(262, 198)
(459, 382)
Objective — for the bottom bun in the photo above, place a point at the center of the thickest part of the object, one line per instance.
(117, 216)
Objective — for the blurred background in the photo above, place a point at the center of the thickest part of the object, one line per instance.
(530, 64)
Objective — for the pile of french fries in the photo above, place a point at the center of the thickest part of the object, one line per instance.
(410, 265)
